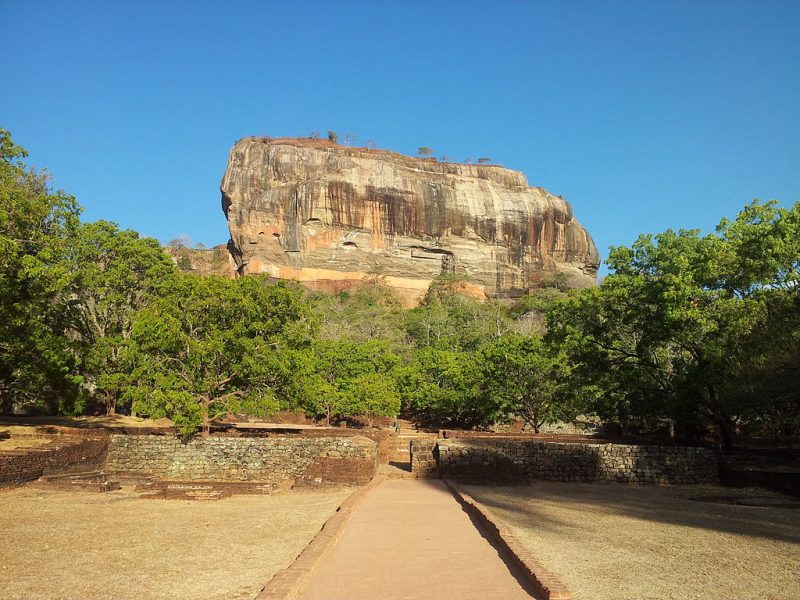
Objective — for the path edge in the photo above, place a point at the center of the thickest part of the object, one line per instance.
(547, 584)
(288, 583)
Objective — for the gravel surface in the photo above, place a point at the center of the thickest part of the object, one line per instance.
(653, 543)
(66, 545)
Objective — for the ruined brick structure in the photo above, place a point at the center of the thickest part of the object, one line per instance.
(512, 460)
(61, 453)
(284, 460)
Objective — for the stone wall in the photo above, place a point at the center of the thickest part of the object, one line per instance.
(62, 452)
(424, 458)
(511, 460)
(284, 460)
(382, 437)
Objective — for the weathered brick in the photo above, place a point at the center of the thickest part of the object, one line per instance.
(294, 459)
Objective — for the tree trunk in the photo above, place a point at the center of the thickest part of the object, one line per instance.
(726, 432)
(723, 421)
(206, 408)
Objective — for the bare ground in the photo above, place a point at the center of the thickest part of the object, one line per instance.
(653, 543)
(65, 545)
(51, 424)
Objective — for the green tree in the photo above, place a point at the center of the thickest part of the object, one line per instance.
(450, 319)
(444, 387)
(36, 225)
(111, 275)
(326, 375)
(530, 379)
(375, 394)
(209, 345)
(368, 312)
(675, 329)
(424, 152)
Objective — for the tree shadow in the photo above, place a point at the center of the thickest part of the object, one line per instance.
(680, 505)
(508, 561)
(49, 421)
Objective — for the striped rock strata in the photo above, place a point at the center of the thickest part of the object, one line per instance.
(329, 215)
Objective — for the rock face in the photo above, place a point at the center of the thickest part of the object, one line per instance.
(207, 261)
(329, 215)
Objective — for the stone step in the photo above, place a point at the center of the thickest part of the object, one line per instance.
(395, 472)
(206, 490)
(76, 476)
(92, 481)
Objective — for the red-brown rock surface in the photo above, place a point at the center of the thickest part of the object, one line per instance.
(328, 215)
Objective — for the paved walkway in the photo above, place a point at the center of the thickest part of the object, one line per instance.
(409, 540)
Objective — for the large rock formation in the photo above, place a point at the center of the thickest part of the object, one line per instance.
(329, 215)
(203, 261)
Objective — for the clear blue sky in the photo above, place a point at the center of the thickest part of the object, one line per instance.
(644, 114)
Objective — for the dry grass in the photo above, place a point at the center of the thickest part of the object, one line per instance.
(54, 423)
(65, 545)
(14, 438)
(652, 543)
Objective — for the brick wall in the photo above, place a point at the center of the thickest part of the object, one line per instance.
(384, 438)
(63, 452)
(520, 460)
(424, 458)
(281, 459)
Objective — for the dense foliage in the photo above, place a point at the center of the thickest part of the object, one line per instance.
(687, 331)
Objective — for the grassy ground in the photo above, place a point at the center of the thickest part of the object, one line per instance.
(653, 543)
(65, 545)
(16, 437)
(31, 432)
(31, 424)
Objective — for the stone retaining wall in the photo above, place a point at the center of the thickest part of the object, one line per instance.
(281, 459)
(424, 458)
(382, 437)
(62, 452)
(519, 460)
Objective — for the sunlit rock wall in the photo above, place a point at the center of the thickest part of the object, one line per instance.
(329, 215)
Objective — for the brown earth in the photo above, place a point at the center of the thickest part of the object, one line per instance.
(654, 543)
(410, 539)
(62, 545)
(51, 424)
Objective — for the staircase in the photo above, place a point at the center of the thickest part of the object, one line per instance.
(87, 481)
(205, 490)
(399, 466)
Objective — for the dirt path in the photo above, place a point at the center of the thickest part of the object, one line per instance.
(409, 540)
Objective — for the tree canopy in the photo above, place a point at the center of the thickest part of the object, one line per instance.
(686, 331)
(207, 346)
(685, 323)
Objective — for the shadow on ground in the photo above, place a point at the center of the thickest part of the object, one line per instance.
(677, 505)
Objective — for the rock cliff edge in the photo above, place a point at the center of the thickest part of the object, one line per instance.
(329, 215)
